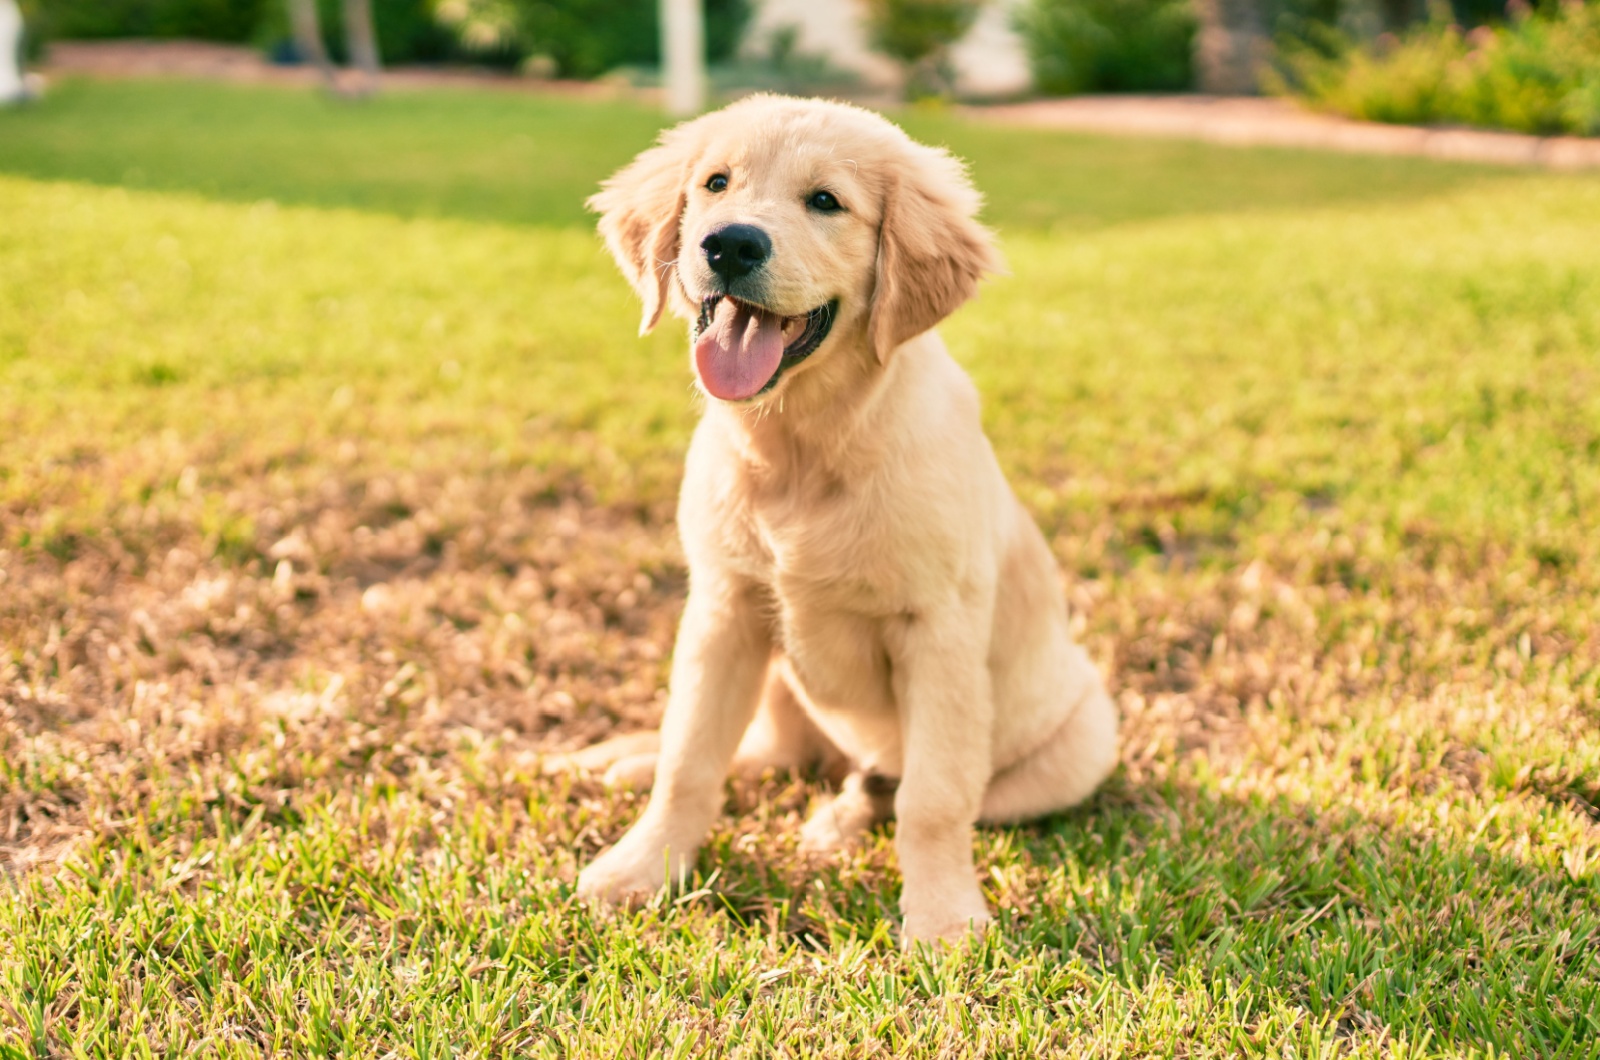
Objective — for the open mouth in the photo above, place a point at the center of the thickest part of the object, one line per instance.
(742, 350)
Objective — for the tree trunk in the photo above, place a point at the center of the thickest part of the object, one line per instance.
(362, 41)
(1231, 46)
(12, 88)
(308, 39)
(683, 56)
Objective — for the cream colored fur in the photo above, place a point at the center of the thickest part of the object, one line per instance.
(864, 589)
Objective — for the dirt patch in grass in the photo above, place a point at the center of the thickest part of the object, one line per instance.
(378, 620)
(373, 623)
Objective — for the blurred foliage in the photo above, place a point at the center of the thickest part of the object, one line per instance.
(1109, 45)
(33, 35)
(918, 34)
(913, 30)
(1147, 45)
(569, 38)
(1537, 73)
(408, 31)
(219, 20)
(581, 38)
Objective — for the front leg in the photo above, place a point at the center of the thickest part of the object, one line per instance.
(942, 684)
(717, 669)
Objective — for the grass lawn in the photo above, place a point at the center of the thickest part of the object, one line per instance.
(335, 487)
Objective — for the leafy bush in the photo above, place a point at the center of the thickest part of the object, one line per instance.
(918, 34)
(34, 31)
(582, 38)
(914, 30)
(219, 20)
(1109, 45)
(407, 30)
(1540, 73)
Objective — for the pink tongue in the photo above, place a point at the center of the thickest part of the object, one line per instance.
(739, 353)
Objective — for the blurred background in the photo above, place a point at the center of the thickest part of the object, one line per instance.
(1490, 63)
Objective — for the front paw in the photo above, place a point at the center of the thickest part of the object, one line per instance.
(944, 919)
(631, 873)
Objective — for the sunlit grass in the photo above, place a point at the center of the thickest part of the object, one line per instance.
(317, 523)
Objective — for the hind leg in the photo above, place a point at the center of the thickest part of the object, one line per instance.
(629, 760)
(780, 736)
(1061, 772)
(783, 736)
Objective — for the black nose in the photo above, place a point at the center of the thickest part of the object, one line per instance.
(736, 250)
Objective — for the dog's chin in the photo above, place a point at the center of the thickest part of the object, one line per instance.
(743, 351)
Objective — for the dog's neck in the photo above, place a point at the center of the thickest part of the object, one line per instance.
(820, 420)
(812, 418)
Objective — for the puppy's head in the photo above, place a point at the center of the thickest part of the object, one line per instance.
(789, 232)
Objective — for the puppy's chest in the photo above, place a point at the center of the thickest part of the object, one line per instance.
(835, 580)
(823, 555)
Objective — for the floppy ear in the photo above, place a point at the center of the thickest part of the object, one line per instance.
(931, 249)
(640, 208)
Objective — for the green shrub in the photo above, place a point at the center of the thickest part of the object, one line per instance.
(1540, 73)
(918, 34)
(914, 30)
(408, 31)
(35, 31)
(582, 38)
(219, 20)
(1109, 45)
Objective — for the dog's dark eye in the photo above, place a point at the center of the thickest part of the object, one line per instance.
(717, 183)
(824, 202)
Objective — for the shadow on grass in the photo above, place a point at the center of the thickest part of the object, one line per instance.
(532, 160)
(1379, 929)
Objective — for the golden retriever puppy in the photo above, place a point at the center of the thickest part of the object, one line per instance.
(864, 588)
